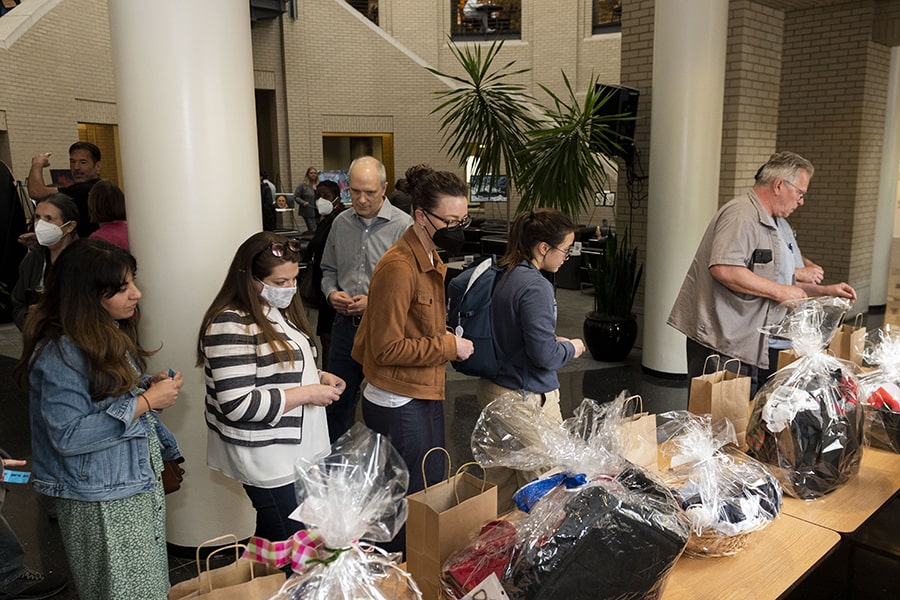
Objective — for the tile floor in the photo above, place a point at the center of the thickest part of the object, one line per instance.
(583, 377)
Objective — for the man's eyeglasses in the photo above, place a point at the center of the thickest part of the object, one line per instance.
(279, 248)
(802, 192)
(451, 223)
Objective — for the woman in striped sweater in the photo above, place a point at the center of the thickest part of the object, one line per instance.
(265, 401)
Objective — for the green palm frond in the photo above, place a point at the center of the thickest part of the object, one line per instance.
(488, 114)
(564, 163)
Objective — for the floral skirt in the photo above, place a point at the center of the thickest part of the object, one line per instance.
(117, 548)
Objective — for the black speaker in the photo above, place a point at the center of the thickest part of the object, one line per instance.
(623, 101)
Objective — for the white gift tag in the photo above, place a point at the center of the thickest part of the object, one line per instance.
(458, 331)
(488, 589)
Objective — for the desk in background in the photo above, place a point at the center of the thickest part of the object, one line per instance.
(773, 561)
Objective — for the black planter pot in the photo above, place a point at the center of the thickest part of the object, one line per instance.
(609, 339)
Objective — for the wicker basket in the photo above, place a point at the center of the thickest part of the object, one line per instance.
(712, 545)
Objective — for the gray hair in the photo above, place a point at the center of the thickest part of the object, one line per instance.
(783, 165)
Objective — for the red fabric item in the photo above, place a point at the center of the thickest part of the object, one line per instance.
(488, 553)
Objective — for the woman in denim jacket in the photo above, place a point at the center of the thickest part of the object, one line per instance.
(97, 446)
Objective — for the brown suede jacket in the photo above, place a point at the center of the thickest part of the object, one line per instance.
(402, 342)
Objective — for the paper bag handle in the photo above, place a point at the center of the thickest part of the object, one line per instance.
(858, 321)
(424, 458)
(706, 362)
(737, 360)
(237, 546)
(227, 536)
(460, 470)
(639, 402)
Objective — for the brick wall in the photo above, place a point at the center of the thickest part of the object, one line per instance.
(834, 91)
(55, 75)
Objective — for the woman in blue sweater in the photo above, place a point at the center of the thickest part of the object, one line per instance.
(524, 318)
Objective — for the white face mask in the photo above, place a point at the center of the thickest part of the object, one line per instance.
(324, 207)
(47, 233)
(278, 297)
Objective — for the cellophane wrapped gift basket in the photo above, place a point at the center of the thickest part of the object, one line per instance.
(726, 495)
(596, 526)
(806, 421)
(879, 389)
(356, 493)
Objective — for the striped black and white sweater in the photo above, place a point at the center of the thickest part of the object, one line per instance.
(251, 438)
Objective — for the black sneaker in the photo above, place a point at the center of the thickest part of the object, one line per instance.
(32, 585)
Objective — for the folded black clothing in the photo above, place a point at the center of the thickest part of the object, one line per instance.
(615, 540)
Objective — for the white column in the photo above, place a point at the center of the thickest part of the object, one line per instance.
(685, 146)
(887, 188)
(186, 112)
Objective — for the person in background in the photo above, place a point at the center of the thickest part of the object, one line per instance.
(84, 163)
(97, 445)
(17, 580)
(265, 399)
(743, 272)
(403, 343)
(358, 239)
(524, 314)
(106, 205)
(473, 9)
(329, 207)
(400, 196)
(267, 200)
(55, 225)
(305, 196)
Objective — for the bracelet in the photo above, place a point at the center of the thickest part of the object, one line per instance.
(149, 408)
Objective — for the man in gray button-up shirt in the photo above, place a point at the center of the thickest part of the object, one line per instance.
(743, 271)
(357, 241)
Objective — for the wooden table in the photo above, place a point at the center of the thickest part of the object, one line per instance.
(847, 508)
(773, 561)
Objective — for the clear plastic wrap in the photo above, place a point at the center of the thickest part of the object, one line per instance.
(357, 492)
(806, 422)
(879, 389)
(598, 526)
(725, 494)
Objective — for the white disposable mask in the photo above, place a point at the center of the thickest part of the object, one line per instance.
(48, 233)
(324, 207)
(278, 297)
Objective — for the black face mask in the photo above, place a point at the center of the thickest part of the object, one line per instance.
(450, 239)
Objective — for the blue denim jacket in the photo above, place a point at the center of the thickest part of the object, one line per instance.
(86, 450)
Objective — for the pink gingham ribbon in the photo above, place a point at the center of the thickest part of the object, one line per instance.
(294, 551)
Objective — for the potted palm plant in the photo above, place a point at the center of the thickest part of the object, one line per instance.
(610, 330)
(556, 156)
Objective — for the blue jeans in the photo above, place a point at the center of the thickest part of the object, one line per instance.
(342, 413)
(12, 555)
(273, 505)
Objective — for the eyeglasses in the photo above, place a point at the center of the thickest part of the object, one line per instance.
(567, 251)
(451, 223)
(802, 192)
(279, 248)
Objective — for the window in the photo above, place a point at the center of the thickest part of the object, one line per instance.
(485, 20)
(367, 7)
(607, 16)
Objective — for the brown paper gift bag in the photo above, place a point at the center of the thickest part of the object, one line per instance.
(722, 394)
(638, 436)
(241, 580)
(786, 357)
(849, 340)
(442, 519)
